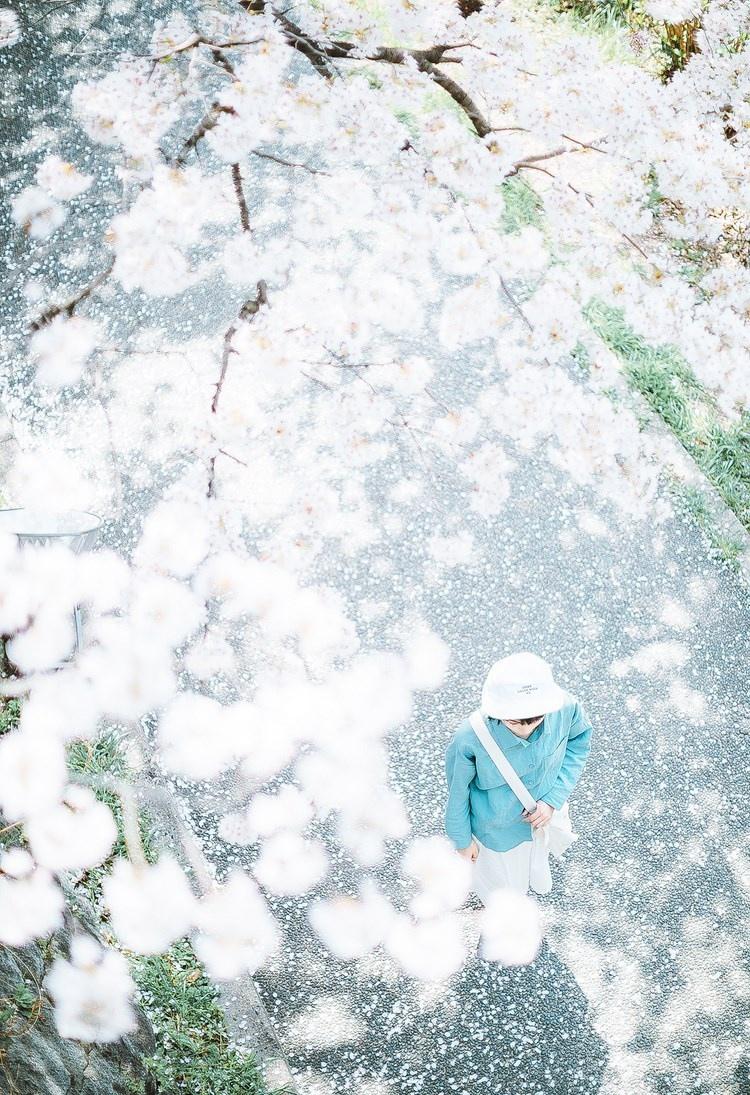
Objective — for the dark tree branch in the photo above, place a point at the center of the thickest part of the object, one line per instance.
(237, 181)
(295, 36)
(209, 120)
(249, 309)
(457, 93)
(320, 54)
(470, 7)
(529, 161)
(198, 40)
(70, 305)
(287, 163)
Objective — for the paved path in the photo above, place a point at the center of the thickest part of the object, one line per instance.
(643, 984)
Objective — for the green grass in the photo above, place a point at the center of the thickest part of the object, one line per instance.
(690, 500)
(719, 447)
(105, 755)
(194, 1054)
(522, 205)
(10, 713)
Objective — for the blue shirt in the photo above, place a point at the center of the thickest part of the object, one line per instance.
(549, 762)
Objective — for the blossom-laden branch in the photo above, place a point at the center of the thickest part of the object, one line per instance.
(72, 303)
(481, 126)
(288, 163)
(321, 54)
(208, 121)
(249, 309)
(198, 40)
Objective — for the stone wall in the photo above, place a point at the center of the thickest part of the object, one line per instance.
(34, 1059)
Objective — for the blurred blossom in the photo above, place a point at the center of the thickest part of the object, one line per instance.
(62, 347)
(31, 902)
(63, 705)
(76, 834)
(198, 738)
(102, 578)
(32, 773)
(363, 828)
(288, 808)
(175, 538)
(431, 949)
(459, 253)
(150, 906)
(672, 11)
(290, 864)
(37, 213)
(427, 658)
(45, 642)
(61, 179)
(266, 752)
(351, 927)
(165, 609)
(130, 671)
(442, 876)
(237, 932)
(92, 992)
(452, 550)
(511, 928)
(208, 655)
(48, 478)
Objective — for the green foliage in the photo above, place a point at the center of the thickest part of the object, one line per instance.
(10, 713)
(669, 45)
(522, 205)
(194, 1054)
(407, 118)
(721, 448)
(600, 12)
(582, 358)
(690, 500)
(105, 755)
(19, 1011)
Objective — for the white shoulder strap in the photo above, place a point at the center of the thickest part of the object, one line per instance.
(479, 726)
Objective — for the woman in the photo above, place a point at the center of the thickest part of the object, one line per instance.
(483, 816)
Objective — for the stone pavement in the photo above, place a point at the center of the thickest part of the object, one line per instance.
(643, 983)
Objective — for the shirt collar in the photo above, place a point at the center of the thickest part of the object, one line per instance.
(506, 738)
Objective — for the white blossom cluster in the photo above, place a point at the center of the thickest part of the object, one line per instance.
(39, 208)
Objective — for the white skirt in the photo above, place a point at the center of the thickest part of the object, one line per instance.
(509, 870)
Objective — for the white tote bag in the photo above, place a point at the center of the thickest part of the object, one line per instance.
(555, 837)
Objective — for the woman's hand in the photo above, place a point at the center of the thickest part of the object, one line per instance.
(471, 852)
(540, 816)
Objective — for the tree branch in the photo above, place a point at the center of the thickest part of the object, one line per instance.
(209, 120)
(457, 93)
(287, 163)
(199, 40)
(529, 161)
(70, 305)
(237, 181)
(248, 310)
(320, 54)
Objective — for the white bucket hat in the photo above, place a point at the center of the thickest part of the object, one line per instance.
(520, 686)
